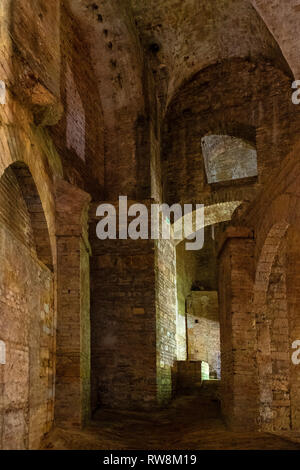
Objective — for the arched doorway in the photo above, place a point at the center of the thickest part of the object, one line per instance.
(26, 313)
(276, 303)
(269, 274)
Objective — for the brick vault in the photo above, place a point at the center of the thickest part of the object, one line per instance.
(164, 102)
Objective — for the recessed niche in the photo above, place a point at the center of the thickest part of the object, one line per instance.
(228, 158)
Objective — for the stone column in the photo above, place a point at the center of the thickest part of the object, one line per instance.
(165, 300)
(237, 326)
(72, 404)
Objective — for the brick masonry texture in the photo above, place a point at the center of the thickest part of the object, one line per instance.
(123, 291)
(203, 330)
(27, 326)
(113, 98)
(188, 376)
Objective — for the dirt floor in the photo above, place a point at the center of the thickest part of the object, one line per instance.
(188, 424)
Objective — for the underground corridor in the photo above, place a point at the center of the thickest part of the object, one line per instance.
(149, 225)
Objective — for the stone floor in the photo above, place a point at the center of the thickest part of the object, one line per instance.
(189, 423)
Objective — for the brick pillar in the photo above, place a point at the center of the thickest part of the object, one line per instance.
(72, 405)
(237, 327)
(133, 320)
(123, 320)
(165, 299)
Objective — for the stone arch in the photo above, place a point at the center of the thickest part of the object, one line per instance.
(41, 239)
(20, 146)
(274, 301)
(281, 21)
(293, 304)
(235, 129)
(27, 320)
(229, 106)
(188, 265)
(213, 214)
(263, 323)
(184, 67)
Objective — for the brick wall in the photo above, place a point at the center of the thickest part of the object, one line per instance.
(165, 286)
(79, 135)
(239, 386)
(133, 315)
(35, 31)
(194, 270)
(26, 326)
(226, 99)
(204, 330)
(188, 376)
(274, 301)
(73, 351)
(186, 274)
(291, 322)
(276, 319)
(123, 321)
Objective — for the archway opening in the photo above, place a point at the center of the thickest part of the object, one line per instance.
(27, 313)
(276, 304)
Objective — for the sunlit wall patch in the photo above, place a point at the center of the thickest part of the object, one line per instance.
(228, 158)
(2, 353)
(2, 92)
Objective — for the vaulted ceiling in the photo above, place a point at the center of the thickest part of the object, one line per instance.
(282, 18)
(179, 38)
(186, 36)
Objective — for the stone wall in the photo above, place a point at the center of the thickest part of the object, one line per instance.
(165, 287)
(27, 326)
(194, 270)
(203, 333)
(290, 325)
(73, 348)
(40, 57)
(272, 381)
(94, 106)
(186, 274)
(278, 417)
(133, 315)
(79, 135)
(239, 386)
(188, 376)
(122, 321)
(274, 217)
(227, 99)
